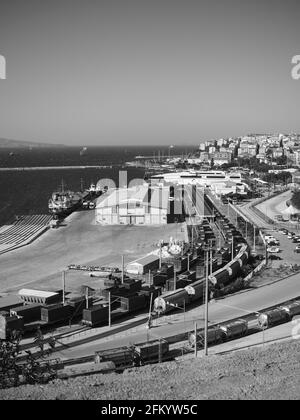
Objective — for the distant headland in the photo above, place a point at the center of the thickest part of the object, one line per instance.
(18, 144)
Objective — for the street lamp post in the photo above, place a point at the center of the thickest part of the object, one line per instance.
(206, 304)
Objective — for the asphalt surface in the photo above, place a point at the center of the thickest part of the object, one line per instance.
(79, 241)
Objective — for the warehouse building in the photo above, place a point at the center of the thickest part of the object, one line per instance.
(140, 205)
(143, 265)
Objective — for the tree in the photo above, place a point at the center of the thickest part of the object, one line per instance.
(16, 370)
(295, 200)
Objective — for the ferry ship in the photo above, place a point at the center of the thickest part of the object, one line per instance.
(64, 202)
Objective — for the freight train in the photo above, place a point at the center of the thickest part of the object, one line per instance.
(240, 327)
(195, 291)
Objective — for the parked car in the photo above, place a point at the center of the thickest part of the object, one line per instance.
(274, 242)
(283, 231)
(274, 257)
(273, 249)
(297, 249)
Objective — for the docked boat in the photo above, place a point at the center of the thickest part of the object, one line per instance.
(94, 191)
(64, 202)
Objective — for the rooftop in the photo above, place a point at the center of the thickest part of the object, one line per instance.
(38, 293)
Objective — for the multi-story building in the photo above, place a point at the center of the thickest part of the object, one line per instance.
(221, 158)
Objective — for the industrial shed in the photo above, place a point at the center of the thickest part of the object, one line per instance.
(143, 265)
(39, 296)
(140, 205)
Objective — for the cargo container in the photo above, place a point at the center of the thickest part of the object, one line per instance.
(180, 283)
(121, 357)
(147, 291)
(116, 291)
(133, 303)
(111, 282)
(96, 315)
(9, 324)
(167, 269)
(78, 305)
(159, 279)
(132, 285)
(181, 264)
(234, 329)
(152, 350)
(56, 313)
(30, 313)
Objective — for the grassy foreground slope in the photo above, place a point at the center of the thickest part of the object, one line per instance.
(272, 372)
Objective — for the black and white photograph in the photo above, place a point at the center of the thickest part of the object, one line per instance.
(149, 203)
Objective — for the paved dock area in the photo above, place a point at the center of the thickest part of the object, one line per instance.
(79, 241)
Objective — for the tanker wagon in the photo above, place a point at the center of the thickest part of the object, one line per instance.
(273, 317)
(214, 336)
(168, 301)
(292, 309)
(196, 290)
(235, 329)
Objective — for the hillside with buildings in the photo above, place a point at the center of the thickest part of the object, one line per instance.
(274, 148)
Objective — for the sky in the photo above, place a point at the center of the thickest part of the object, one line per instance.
(93, 72)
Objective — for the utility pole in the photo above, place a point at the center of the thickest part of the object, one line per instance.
(254, 234)
(232, 248)
(159, 350)
(174, 279)
(122, 269)
(188, 264)
(192, 235)
(87, 298)
(109, 309)
(195, 332)
(64, 286)
(160, 255)
(210, 257)
(150, 308)
(206, 306)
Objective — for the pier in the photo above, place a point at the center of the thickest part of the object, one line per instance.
(47, 168)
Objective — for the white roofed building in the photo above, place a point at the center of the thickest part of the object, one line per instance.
(140, 205)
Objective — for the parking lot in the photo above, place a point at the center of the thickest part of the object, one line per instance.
(287, 248)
